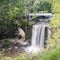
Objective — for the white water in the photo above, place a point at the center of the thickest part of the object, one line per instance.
(37, 40)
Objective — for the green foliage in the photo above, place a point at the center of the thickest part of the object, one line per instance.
(53, 54)
(56, 4)
(1, 25)
(7, 28)
(56, 19)
(10, 9)
(0, 49)
(6, 43)
(55, 23)
(56, 10)
(42, 5)
(22, 57)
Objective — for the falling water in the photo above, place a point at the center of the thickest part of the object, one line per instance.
(38, 37)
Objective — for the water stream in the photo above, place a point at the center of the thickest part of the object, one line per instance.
(39, 36)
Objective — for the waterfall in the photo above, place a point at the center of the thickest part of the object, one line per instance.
(34, 35)
(38, 36)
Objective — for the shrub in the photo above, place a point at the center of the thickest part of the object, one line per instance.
(6, 43)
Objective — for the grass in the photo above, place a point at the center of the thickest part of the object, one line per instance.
(53, 54)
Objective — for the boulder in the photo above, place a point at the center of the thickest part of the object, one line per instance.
(21, 33)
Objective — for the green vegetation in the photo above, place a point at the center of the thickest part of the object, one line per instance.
(51, 54)
(5, 43)
(13, 15)
(10, 12)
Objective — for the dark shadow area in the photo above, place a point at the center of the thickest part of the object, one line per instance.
(45, 37)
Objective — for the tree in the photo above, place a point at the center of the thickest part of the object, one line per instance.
(10, 10)
(42, 5)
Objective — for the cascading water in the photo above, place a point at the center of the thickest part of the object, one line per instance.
(40, 31)
(38, 37)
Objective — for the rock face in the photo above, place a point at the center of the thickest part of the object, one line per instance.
(21, 33)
